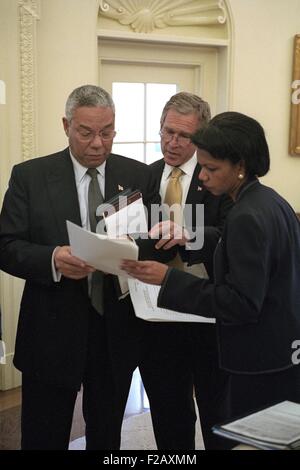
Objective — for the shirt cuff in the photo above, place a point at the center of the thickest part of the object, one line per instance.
(55, 274)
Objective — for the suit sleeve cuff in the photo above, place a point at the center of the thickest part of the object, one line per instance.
(164, 283)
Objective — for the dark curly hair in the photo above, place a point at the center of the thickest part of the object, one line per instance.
(236, 137)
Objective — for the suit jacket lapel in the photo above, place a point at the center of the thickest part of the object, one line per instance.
(113, 178)
(157, 171)
(63, 193)
(117, 177)
(196, 192)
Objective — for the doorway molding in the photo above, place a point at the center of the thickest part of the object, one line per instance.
(114, 26)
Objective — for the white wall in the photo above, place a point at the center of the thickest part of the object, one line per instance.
(262, 73)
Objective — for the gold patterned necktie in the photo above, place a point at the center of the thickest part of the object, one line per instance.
(174, 195)
(95, 198)
(173, 198)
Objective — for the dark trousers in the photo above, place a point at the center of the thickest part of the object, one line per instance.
(47, 409)
(47, 413)
(182, 360)
(175, 361)
(125, 336)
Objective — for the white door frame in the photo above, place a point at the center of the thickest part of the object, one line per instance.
(220, 47)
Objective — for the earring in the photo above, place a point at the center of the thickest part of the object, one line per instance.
(240, 176)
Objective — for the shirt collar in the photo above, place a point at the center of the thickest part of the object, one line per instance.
(187, 167)
(80, 170)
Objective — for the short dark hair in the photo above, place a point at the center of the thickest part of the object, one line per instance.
(236, 137)
(187, 103)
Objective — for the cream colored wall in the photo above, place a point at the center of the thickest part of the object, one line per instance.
(10, 128)
(66, 58)
(261, 80)
(261, 75)
(60, 51)
(10, 153)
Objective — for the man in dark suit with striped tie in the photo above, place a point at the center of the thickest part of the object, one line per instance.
(64, 338)
(182, 357)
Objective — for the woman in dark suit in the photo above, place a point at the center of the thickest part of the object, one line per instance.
(255, 296)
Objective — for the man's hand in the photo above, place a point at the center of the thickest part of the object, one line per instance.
(70, 266)
(171, 234)
(150, 272)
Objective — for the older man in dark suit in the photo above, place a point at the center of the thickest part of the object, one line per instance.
(183, 357)
(63, 340)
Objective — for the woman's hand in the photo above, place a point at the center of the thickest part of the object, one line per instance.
(150, 272)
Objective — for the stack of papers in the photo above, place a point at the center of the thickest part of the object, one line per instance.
(144, 299)
(125, 214)
(100, 251)
(276, 427)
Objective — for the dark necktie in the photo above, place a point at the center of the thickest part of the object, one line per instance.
(95, 198)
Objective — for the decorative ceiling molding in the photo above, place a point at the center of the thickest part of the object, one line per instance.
(144, 16)
(29, 13)
(103, 6)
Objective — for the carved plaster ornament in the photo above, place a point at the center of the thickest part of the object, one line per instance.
(29, 14)
(144, 16)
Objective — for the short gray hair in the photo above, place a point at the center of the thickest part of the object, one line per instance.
(187, 103)
(88, 95)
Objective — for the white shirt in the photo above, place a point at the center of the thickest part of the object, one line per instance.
(82, 184)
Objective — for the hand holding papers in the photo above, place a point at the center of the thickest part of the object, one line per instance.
(144, 299)
(100, 251)
(124, 214)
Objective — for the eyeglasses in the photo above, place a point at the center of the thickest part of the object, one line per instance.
(105, 135)
(168, 135)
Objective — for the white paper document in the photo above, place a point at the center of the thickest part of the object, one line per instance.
(100, 251)
(198, 270)
(144, 299)
(127, 220)
(130, 219)
(275, 427)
